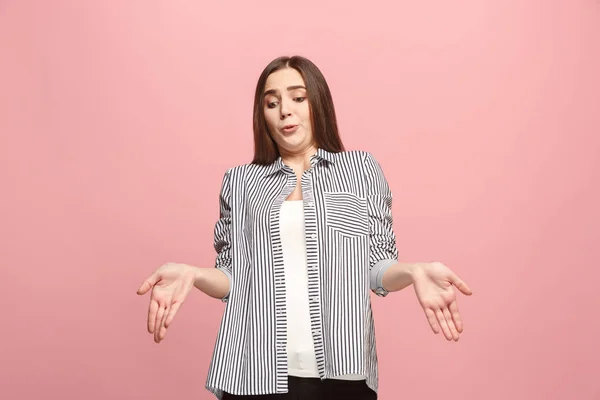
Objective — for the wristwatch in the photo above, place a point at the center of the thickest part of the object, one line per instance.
(381, 292)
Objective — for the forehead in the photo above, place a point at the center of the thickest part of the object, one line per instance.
(283, 78)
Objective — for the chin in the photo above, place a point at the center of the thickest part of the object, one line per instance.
(294, 143)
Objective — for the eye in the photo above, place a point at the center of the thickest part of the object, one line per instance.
(299, 99)
(272, 104)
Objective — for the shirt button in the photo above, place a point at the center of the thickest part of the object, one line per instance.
(313, 236)
(311, 204)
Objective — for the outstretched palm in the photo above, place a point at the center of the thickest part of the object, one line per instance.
(433, 286)
(170, 284)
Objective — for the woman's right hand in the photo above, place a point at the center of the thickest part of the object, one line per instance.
(171, 283)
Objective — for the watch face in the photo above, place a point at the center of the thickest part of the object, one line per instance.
(381, 292)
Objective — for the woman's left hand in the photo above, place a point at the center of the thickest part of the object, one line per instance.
(433, 285)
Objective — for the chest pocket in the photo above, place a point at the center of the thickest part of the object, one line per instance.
(346, 213)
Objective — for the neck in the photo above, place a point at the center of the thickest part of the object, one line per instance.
(300, 158)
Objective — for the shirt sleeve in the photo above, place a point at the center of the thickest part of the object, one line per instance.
(222, 232)
(383, 252)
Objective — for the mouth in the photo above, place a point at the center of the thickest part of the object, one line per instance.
(290, 128)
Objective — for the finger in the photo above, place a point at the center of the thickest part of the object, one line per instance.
(456, 316)
(432, 320)
(159, 317)
(461, 285)
(147, 284)
(450, 323)
(163, 329)
(152, 310)
(172, 312)
(442, 321)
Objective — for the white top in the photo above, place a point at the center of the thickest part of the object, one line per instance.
(300, 346)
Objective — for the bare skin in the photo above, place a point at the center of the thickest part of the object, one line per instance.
(287, 113)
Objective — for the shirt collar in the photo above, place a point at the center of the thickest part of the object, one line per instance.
(320, 155)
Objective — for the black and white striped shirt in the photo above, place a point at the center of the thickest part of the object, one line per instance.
(350, 242)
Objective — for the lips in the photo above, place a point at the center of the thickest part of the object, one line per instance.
(290, 128)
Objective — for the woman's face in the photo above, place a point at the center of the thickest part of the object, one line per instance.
(287, 111)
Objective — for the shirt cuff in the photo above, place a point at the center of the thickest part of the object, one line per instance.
(376, 275)
(228, 274)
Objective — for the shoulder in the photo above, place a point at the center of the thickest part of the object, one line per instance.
(245, 170)
(363, 162)
(357, 158)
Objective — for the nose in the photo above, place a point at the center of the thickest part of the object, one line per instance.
(285, 112)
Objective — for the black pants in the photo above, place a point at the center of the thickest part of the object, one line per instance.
(317, 389)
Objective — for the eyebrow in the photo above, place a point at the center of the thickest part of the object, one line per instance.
(289, 88)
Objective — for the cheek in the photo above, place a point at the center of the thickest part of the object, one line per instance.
(272, 121)
(306, 113)
(270, 117)
(307, 120)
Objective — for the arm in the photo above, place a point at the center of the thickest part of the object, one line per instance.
(212, 281)
(383, 253)
(398, 276)
(432, 282)
(387, 273)
(217, 282)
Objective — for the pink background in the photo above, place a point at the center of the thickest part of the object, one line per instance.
(118, 120)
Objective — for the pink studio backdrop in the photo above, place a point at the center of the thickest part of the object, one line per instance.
(118, 120)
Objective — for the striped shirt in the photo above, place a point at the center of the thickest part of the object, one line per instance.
(350, 243)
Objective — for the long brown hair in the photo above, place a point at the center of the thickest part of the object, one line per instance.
(322, 113)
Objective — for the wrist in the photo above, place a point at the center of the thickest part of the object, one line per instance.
(199, 276)
(400, 275)
(414, 270)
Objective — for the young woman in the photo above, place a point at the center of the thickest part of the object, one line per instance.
(304, 235)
